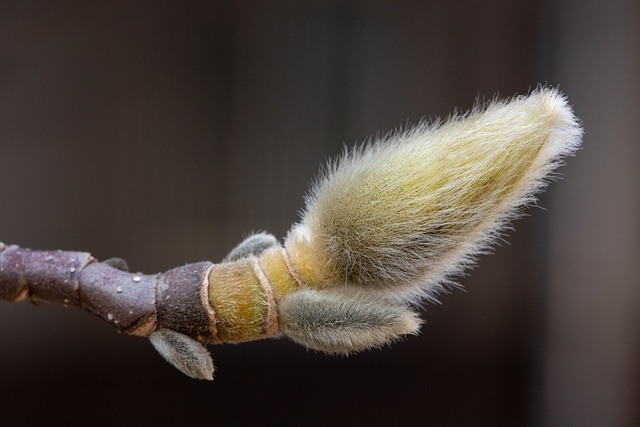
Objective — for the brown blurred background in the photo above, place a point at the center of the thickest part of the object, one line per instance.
(164, 131)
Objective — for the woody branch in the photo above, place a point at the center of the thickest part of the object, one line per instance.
(135, 304)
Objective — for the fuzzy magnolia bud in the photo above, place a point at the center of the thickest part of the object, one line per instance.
(403, 214)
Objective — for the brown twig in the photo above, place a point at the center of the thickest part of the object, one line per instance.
(136, 304)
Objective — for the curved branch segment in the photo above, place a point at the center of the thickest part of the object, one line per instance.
(41, 275)
(126, 300)
(136, 304)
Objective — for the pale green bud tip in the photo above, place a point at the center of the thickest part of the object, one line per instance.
(404, 213)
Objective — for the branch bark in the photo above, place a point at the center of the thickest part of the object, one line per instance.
(135, 304)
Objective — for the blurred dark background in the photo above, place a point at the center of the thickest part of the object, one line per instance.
(165, 131)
